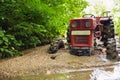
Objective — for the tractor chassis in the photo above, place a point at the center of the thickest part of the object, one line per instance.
(80, 51)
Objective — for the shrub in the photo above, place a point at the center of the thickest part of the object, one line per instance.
(8, 45)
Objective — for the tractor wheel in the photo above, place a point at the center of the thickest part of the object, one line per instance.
(114, 55)
(61, 45)
(73, 51)
(87, 52)
(53, 49)
(111, 51)
(68, 35)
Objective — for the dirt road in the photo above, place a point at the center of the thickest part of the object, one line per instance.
(37, 61)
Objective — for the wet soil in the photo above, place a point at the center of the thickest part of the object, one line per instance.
(65, 76)
(38, 61)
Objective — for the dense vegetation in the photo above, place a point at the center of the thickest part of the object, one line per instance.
(30, 23)
(116, 15)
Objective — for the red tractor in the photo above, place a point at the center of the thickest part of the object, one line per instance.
(80, 35)
(83, 32)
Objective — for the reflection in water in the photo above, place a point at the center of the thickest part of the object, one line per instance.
(63, 76)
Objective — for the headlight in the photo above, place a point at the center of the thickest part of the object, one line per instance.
(74, 24)
(87, 24)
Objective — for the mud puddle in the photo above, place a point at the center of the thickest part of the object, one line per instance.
(81, 74)
(61, 76)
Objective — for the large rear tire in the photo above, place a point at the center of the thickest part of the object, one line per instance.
(111, 50)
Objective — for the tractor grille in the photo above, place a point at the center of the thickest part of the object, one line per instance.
(81, 39)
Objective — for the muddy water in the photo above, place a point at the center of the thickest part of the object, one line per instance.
(68, 75)
(62, 76)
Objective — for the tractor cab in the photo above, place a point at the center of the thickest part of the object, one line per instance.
(81, 35)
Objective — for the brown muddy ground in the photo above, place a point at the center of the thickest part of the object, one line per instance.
(37, 61)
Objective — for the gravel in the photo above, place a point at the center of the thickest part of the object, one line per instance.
(38, 61)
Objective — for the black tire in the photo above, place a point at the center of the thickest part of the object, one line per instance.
(53, 49)
(87, 52)
(68, 35)
(73, 51)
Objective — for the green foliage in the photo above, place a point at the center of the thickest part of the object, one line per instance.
(29, 23)
(8, 45)
(116, 15)
(29, 34)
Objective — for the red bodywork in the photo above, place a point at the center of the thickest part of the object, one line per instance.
(86, 34)
(83, 33)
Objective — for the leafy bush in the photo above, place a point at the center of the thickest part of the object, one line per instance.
(8, 45)
(29, 34)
